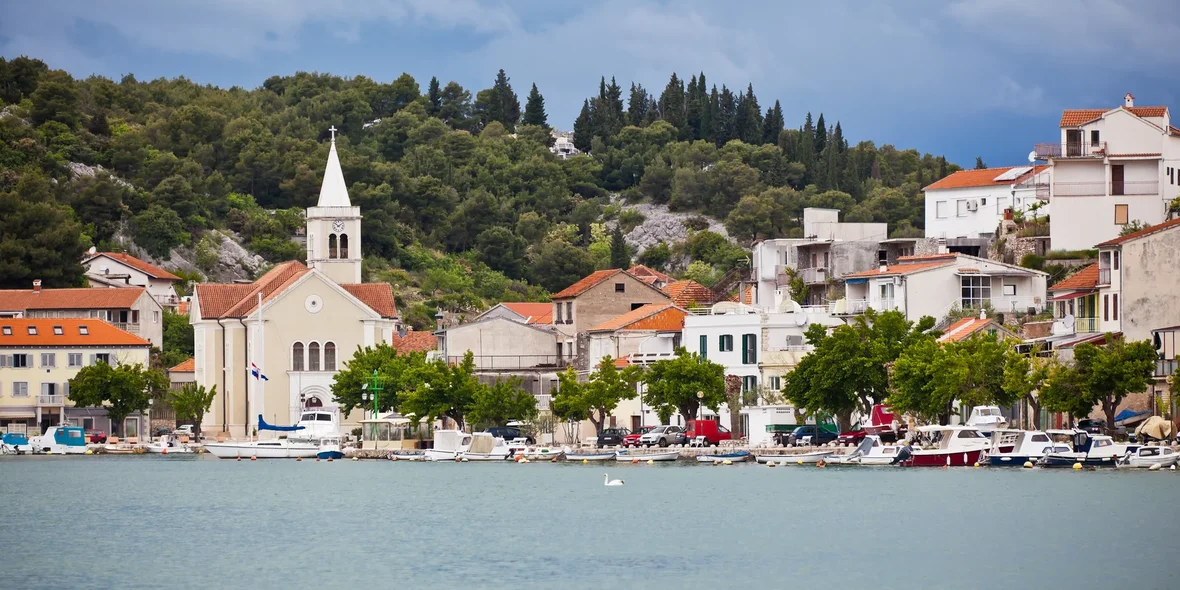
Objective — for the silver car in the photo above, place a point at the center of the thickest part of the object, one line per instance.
(663, 436)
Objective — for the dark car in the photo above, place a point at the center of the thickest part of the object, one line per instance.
(1097, 426)
(852, 437)
(612, 437)
(824, 437)
(509, 433)
(96, 436)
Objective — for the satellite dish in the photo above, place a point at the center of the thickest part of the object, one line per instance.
(1032, 156)
(1068, 321)
(92, 250)
(801, 319)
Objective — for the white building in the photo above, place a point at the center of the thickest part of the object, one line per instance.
(971, 203)
(1110, 167)
(563, 145)
(116, 269)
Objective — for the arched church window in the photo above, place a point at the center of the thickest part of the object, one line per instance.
(313, 356)
(297, 356)
(329, 356)
(344, 246)
(314, 402)
(332, 246)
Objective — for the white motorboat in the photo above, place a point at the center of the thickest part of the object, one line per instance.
(1014, 448)
(626, 457)
(166, 445)
(1148, 456)
(448, 445)
(14, 443)
(570, 455)
(734, 457)
(60, 440)
(302, 442)
(870, 451)
(986, 419)
(521, 448)
(331, 447)
(953, 446)
(805, 458)
(1089, 450)
(486, 447)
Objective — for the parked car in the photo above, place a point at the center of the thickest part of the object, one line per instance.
(632, 440)
(825, 435)
(713, 432)
(509, 433)
(96, 436)
(852, 437)
(663, 436)
(1096, 426)
(612, 437)
(185, 430)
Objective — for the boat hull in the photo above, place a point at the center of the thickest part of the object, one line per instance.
(627, 458)
(999, 460)
(329, 455)
(249, 450)
(805, 458)
(735, 457)
(436, 455)
(1068, 461)
(485, 457)
(159, 450)
(944, 458)
(407, 457)
(863, 460)
(591, 457)
(1146, 462)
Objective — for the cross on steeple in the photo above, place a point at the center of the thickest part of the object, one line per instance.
(333, 130)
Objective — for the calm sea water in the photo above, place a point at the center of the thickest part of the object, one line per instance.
(199, 522)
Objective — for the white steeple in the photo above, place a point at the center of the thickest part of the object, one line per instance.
(333, 192)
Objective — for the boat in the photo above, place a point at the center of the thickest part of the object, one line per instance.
(302, 442)
(626, 457)
(1014, 448)
(166, 445)
(448, 445)
(954, 446)
(14, 443)
(734, 457)
(882, 422)
(1147, 456)
(521, 448)
(805, 458)
(870, 451)
(396, 456)
(330, 448)
(604, 456)
(60, 440)
(986, 419)
(486, 447)
(1089, 450)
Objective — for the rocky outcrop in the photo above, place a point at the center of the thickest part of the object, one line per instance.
(218, 256)
(79, 170)
(662, 225)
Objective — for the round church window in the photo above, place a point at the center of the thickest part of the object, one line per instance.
(313, 304)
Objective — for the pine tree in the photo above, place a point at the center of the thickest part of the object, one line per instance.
(725, 123)
(750, 119)
(942, 167)
(709, 115)
(619, 256)
(614, 109)
(821, 135)
(534, 109)
(504, 107)
(583, 133)
(637, 106)
(672, 103)
(979, 165)
(434, 98)
(653, 111)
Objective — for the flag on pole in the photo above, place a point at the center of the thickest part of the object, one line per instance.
(254, 370)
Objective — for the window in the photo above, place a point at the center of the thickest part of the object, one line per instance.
(1106, 308)
(749, 383)
(297, 356)
(558, 315)
(635, 306)
(20, 389)
(940, 209)
(84, 330)
(155, 317)
(1115, 306)
(775, 383)
(725, 343)
(976, 290)
(135, 316)
(1009, 290)
(1117, 174)
(32, 330)
(983, 201)
(749, 349)
(75, 359)
(961, 208)
(58, 331)
(102, 357)
(8, 330)
(704, 346)
(20, 361)
(620, 287)
(343, 246)
(329, 356)
(1116, 259)
(1094, 137)
(332, 246)
(1120, 215)
(569, 312)
(48, 389)
(48, 359)
(313, 356)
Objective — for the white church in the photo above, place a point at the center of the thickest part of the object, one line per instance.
(298, 324)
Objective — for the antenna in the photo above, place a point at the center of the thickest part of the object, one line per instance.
(1032, 156)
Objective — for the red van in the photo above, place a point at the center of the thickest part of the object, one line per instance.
(710, 429)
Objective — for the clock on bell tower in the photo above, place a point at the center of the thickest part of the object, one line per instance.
(334, 227)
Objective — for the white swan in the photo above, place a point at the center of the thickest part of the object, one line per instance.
(611, 482)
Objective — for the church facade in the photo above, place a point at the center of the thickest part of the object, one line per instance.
(297, 325)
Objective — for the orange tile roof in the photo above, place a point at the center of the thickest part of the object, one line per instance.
(1075, 117)
(215, 300)
(746, 296)
(1141, 233)
(927, 257)
(89, 298)
(182, 307)
(239, 301)
(149, 269)
(1136, 155)
(586, 283)
(534, 313)
(686, 293)
(985, 177)
(1087, 278)
(1147, 111)
(378, 296)
(641, 271)
(99, 333)
(188, 366)
(663, 317)
(900, 269)
(269, 285)
(966, 327)
(623, 363)
(414, 341)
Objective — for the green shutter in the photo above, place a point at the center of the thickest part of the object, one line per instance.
(704, 346)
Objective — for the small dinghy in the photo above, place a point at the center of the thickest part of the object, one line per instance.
(396, 456)
(572, 456)
(734, 457)
(167, 444)
(625, 457)
(1145, 457)
(805, 458)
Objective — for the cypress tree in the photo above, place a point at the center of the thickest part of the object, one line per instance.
(653, 111)
(619, 256)
(534, 109)
(672, 103)
(692, 109)
(806, 150)
(434, 98)
(750, 119)
(708, 113)
(505, 107)
(724, 125)
(637, 106)
(979, 165)
(821, 135)
(583, 133)
(614, 109)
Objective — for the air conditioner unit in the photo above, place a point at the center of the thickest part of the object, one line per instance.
(897, 281)
(972, 205)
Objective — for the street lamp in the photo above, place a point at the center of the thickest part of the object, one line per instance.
(149, 419)
(701, 404)
(372, 391)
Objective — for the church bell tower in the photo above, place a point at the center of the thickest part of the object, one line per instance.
(334, 227)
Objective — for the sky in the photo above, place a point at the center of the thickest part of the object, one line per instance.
(963, 78)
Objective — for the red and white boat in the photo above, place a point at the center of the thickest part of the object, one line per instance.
(884, 423)
(955, 446)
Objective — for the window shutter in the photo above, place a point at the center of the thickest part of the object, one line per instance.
(704, 346)
(92, 357)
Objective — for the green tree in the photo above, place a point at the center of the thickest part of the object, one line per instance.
(396, 372)
(39, 239)
(620, 256)
(556, 264)
(979, 165)
(684, 384)
(1025, 377)
(443, 390)
(121, 390)
(55, 99)
(502, 250)
(501, 402)
(534, 109)
(930, 378)
(583, 129)
(655, 256)
(433, 97)
(595, 399)
(191, 402)
(158, 230)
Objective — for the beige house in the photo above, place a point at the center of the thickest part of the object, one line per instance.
(38, 357)
(296, 325)
(504, 347)
(130, 309)
(601, 296)
(116, 269)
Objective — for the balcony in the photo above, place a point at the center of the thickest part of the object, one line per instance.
(1079, 189)
(515, 362)
(1070, 149)
(1135, 187)
(1104, 276)
(1165, 367)
(1085, 325)
(51, 400)
(815, 276)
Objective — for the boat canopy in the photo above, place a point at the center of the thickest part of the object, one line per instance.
(482, 443)
(15, 438)
(939, 428)
(262, 425)
(71, 436)
(866, 445)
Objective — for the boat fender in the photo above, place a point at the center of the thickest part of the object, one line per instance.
(253, 458)
(1155, 467)
(650, 462)
(164, 451)
(584, 461)
(716, 462)
(298, 458)
(727, 462)
(635, 461)
(1028, 464)
(771, 464)
(1077, 465)
(356, 458)
(976, 464)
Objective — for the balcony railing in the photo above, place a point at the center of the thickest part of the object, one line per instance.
(1085, 325)
(815, 275)
(1070, 149)
(1135, 187)
(858, 306)
(1018, 304)
(1104, 276)
(512, 362)
(1079, 189)
(51, 400)
(126, 327)
(1165, 367)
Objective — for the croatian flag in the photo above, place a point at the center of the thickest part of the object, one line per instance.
(257, 373)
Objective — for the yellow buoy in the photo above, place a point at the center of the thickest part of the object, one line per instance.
(650, 462)
(770, 463)
(48, 452)
(1028, 464)
(356, 458)
(800, 461)
(976, 464)
(727, 462)
(584, 461)
(89, 452)
(1077, 465)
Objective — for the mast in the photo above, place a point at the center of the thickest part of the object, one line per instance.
(260, 387)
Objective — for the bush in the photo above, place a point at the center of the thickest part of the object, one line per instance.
(697, 223)
(629, 219)
(1071, 254)
(158, 230)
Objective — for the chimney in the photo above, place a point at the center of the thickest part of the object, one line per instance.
(883, 268)
(36, 285)
(1129, 100)
(401, 331)
(438, 320)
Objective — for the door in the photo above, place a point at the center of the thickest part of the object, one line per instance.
(1073, 142)
(1116, 179)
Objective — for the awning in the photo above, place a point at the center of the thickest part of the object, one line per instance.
(17, 413)
(855, 281)
(1069, 295)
